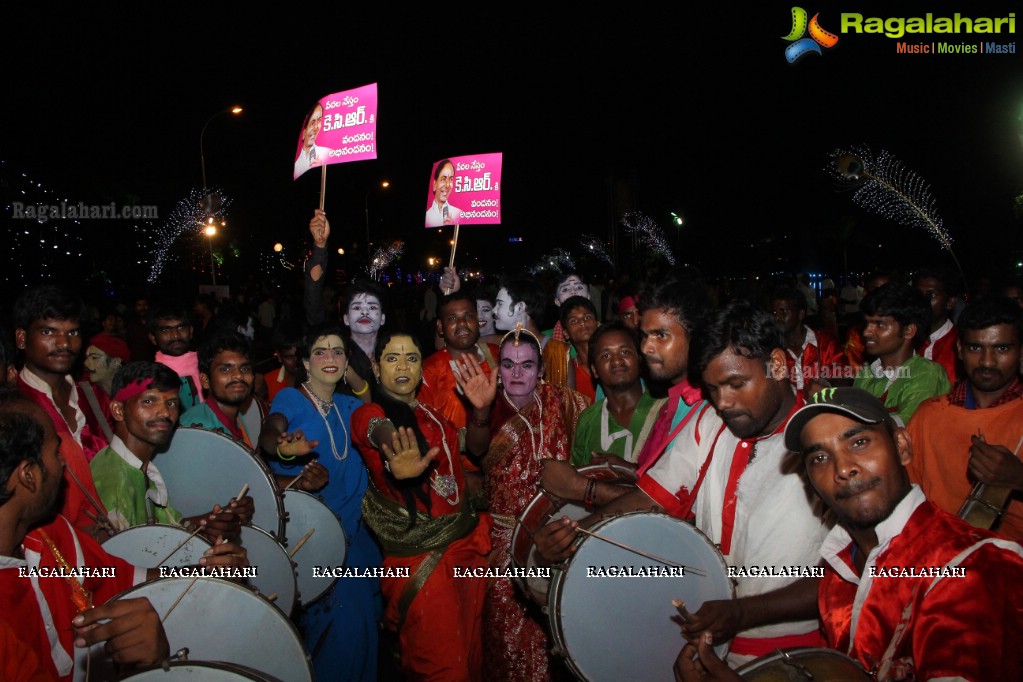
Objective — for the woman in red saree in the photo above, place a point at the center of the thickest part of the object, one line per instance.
(418, 505)
(530, 422)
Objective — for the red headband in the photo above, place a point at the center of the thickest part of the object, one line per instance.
(626, 303)
(129, 391)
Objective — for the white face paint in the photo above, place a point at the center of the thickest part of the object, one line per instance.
(365, 314)
(506, 315)
(485, 315)
(573, 286)
(100, 366)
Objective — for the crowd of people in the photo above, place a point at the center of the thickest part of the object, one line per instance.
(827, 439)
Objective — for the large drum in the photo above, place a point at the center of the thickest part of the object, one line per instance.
(203, 468)
(613, 627)
(327, 547)
(199, 672)
(252, 415)
(219, 621)
(275, 574)
(148, 546)
(803, 663)
(542, 509)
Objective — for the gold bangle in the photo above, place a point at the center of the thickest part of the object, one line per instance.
(365, 387)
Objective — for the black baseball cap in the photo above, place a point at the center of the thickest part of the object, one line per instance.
(852, 402)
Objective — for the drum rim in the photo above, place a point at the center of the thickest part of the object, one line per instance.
(250, 673)
(294, 578)
(244, 590)
(554, 592)
(758, 664)
(162, 526)
(299, 599)
(267, 472)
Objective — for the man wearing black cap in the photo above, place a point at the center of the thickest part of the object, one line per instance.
(911, 592)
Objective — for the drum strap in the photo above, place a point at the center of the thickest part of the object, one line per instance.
(90, 397)
(703, 472)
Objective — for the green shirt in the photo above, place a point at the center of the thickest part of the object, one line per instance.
(123, 488)
(597, 431)
(914, 381)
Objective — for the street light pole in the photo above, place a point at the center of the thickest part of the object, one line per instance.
(210, 231)
(202, 155)
(369, 255)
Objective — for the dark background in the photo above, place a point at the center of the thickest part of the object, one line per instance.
(598, 113)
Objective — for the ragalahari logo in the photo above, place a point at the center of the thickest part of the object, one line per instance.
(802, 46)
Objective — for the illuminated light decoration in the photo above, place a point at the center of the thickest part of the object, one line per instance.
(596, 248)
(649, 234)
(189, 216)
(382, 258)
(886, 187)
(554, 262)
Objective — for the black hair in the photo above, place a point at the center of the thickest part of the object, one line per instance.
(902, 303)
(440, 168)
(460, 295)
(573, 302)
(304, 347)
(739, 326)
(401, 414)
(948, 280)
(224, 341)
(609, 327)
(366, 286)
(46, 302)
(21, 438)
(988, 311)
(288, 338)
(792, 296)
(525, 290)
(684, 297)
(167, 310)
(164, 378)
(6, 349)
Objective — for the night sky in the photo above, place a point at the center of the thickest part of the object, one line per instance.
(689, 110)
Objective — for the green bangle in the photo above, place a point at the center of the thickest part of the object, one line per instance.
(283, 457)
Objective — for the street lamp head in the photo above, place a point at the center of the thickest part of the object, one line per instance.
(211, 230)
(278, 247)
(385, 184)
(236, 110)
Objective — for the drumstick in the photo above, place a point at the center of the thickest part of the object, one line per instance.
(640, 552)
(293, 482)
(301, 542)
(180, 597)
(199, 527)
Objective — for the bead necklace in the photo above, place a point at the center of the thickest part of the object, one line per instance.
(537, 452)
(324, 409)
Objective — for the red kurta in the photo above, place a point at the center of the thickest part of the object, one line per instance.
(441, 638)
(955, 627)
(22, 599)
(81, 501)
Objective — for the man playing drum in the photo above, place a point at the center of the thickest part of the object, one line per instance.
(145, 412)
(911, 592)
(726, 468)
(51, 576)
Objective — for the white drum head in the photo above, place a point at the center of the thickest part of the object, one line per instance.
(147, 546)
(203, 468)
(626, 628)
(217, 620)
(327, 547)
(275, 574)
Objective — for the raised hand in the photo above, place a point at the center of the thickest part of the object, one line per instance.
(479, 387)
(402, 455)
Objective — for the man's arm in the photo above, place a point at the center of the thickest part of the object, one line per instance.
(725, 617)
(313, 282)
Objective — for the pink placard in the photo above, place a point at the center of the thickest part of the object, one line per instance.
(339, 128)
(465, 190)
